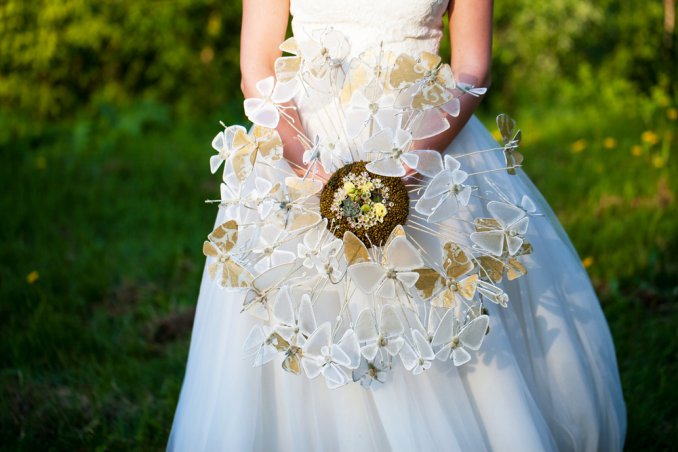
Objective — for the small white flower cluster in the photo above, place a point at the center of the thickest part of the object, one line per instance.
(362, 200)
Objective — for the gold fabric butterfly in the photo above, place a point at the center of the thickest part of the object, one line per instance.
(492, 268)
(449, 289)
(393, 275)
(429, 81)
(221, 242)
(287, 67)
(260, 142)
(511, 140)
(296, 209)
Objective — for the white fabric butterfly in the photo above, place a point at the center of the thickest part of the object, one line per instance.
(296, 320)
(446, 193)
(264, 110)
(267, 252)
(471, 89)
(418, 356)
(331, 154)
(369, 372)
(504, 231)
(455, 339)
(319, 249)
(394, 276)
(526, 203)
(369, 106)
(264, 287)
(261, 196)
(322, 356)
(263, 343)
(293, 208)
(223, 144)
(325, 52)
(391, 148)
(386, 335)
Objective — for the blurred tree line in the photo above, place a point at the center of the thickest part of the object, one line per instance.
(63, 57)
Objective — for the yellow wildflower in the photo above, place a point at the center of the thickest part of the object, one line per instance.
(579, 146)
(658, 161)
(672, 114)
(650, 137)
(609, 143)
(587, 262)
(32, 277)
(636, 150)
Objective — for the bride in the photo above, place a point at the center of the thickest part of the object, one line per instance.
(546, 376)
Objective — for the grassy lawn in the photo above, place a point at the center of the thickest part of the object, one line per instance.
(102, 225)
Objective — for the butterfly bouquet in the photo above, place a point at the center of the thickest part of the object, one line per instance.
(288, 240)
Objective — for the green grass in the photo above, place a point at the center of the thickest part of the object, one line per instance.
(109, 212)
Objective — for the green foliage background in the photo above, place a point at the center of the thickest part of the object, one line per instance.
(106, 113)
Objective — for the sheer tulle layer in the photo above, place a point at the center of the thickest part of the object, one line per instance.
(545, 379)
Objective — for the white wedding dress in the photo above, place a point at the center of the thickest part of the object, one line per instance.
(545, 379)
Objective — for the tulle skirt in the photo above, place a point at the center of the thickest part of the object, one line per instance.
(546, 377)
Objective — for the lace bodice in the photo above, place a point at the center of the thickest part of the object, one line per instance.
(409, 26)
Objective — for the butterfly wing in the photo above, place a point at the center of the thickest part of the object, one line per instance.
(261, 112)
(473, 333)
(269, 143)
(429, 163)
(445, 330)
(386, 166)
(235, 275)
(351, 348)
(264, 286)
(408, 356)
(514, 269)
(301, 218)
(491, 268)
(366, 331)
(456, 261)
(392, 328)
(506, 126)
(292, 362)
(404, 72)
(431, 123)
(367, 276)
(460, 356)
(225, 235)
(311, 354)
(428, 282)
(490, 241)
(210, 250)
(300, 189)
(355, 250)
(402, 255)
(506, 214)
(422, 345)
(468, 286)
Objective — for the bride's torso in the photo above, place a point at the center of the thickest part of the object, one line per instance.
(403, 26)
(397, 26)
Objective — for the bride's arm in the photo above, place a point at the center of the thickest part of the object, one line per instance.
(264, 23)
(471, 44)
